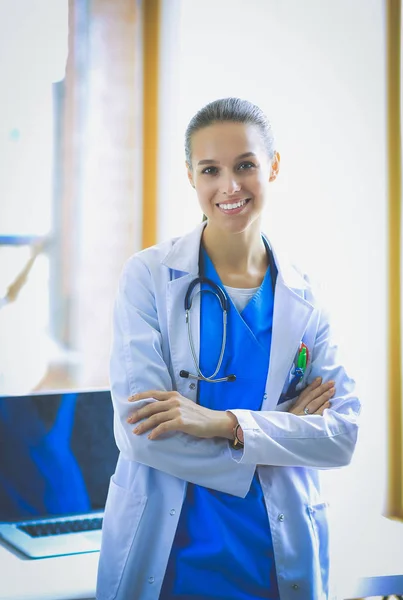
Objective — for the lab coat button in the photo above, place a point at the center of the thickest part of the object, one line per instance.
(172, 512)
(295, 587)
(264, 396)
(281, 517)
(151, 580)
(192, 386)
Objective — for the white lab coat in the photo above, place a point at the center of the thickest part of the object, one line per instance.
(146, 492)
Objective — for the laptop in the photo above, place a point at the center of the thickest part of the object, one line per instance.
(57, 454)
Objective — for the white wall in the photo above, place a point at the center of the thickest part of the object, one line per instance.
(317, 68)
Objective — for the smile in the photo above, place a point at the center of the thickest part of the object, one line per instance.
(230, 207)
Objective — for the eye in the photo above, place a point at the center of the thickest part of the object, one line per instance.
(244, 166)
(210, 171)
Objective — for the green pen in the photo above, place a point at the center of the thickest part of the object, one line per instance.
(302, 358)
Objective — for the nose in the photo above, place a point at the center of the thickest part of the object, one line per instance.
(229, 185)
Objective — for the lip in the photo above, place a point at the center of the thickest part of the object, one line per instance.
(234, 211)
(232, 200)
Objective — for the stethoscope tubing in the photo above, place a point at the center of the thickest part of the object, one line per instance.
(223, 343)
(224, 303)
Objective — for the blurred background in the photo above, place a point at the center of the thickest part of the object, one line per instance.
(95, 98)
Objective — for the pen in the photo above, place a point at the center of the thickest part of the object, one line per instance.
(302, 358)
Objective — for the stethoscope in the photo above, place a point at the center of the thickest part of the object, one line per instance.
(224, 304)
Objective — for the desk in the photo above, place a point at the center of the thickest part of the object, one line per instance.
(60, 578)
(371, 562)
(365, 566)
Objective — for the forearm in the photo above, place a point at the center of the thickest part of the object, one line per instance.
(282, 439)
(205, 462)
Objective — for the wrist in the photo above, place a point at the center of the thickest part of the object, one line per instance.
(239, 434)
(235, 434)
(238, 441)
(228, 422)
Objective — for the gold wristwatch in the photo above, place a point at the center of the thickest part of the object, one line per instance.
(236, 443)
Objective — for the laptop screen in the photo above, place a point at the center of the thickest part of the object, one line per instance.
(57, 454)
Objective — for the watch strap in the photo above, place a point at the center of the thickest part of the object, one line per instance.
(236, 443)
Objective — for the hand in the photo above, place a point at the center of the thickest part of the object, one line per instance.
(315, 397)
(173, 412)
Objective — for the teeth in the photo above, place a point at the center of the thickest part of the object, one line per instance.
(232, 206)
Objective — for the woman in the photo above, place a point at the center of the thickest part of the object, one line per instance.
(216, 492)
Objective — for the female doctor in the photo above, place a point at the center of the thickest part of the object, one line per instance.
(222, 371)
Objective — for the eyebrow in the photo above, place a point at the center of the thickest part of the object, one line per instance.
(209, 161)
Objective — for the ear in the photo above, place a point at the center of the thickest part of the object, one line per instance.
(275, 166)
(190, 174)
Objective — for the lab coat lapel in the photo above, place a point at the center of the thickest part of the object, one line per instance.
(291, 314)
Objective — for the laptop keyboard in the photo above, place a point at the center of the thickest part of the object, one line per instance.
(58, 527)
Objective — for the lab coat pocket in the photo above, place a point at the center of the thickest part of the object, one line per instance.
(123, 512)
(319, 521)
(301, 360)
(301, 385)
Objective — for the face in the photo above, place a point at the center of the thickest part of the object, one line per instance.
(231, 171)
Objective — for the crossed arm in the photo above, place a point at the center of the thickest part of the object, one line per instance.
(174, 412)
(188, 441)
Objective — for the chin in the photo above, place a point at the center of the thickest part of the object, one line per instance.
(237, 226)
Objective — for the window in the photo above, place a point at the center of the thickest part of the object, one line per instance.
(27, 73)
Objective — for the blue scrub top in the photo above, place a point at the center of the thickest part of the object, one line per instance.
(223, 547)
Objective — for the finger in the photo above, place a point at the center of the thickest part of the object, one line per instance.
(156, 394)
(308, 396)
(314, 384)
(154, 421)
(322, 388)
(322, 399)
(147, 411)
(318, 411)
(166, 427)
(322, 409)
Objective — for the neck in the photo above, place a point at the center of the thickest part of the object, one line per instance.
(243, 252)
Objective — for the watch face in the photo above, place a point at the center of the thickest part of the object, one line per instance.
(237, 442)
